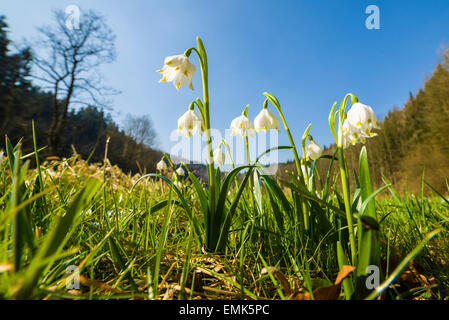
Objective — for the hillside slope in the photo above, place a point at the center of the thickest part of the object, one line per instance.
(412, 139)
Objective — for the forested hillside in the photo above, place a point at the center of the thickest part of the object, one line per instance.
(412, 139)
(86, 129)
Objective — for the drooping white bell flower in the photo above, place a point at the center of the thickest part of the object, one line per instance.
(219, 156)
(352, 135)
(189, 123)
(161, 165)
(266, 120)
(362, 117)
(243, 126)
(180, 171)
(313, 150)
(274, 122)
(262, 121)
(178, 69)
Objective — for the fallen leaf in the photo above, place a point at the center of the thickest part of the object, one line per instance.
(279, 277)
(343, 273)
(329, 292)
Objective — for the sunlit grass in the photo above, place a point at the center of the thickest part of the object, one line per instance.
(138, 243)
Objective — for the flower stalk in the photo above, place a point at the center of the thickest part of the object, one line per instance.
(305, 208)
(344, 170)
(248, 160)
(276, 104)
(204, 109)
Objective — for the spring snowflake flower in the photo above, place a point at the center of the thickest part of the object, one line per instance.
(266, 120)
(313, 150)
(178, 69)
(243, 126)
(161, 165)
(359, 123)
(189, 123)
(352, 135)
(363, 119)
(180, 171)
(219, 156)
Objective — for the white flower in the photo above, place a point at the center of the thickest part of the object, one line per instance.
(189, 123)
(243, 126)
(363, 119)
(180, 171)
(161, 165)
(313, 150)
(219, 156)
(359, 123)
(178, 69)
(351, 135)
(266, 120)
(274, 122)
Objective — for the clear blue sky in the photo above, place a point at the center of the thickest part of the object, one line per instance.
(308, 53)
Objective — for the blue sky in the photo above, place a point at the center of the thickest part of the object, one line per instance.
(307, 53)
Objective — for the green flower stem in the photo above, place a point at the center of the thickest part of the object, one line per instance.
(292, 143)
(347, 201)
(248, 159)
(201, 52)
(305, 208)
(223, 141)
(331, 120)
(306, 179)
(303, 160)
(248, 162)
(344, 177)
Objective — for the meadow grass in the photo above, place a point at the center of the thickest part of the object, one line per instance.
(131, 238)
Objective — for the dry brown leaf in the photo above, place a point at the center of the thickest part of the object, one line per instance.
(343, 273)
(327, 293)
(279, 277)
(300, 295)
(330, 292)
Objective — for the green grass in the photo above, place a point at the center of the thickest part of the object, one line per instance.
(134, 237)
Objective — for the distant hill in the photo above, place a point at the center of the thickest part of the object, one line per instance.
(87, 129)
(411, 139)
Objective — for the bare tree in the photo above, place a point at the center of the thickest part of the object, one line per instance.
(67, 62)
(141, 129)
